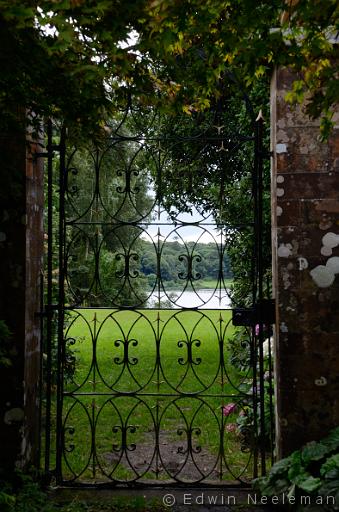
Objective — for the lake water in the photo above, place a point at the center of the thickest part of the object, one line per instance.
(203, 299)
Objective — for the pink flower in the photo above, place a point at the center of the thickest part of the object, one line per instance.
(228, 409)
(231, 427)
(257, 329)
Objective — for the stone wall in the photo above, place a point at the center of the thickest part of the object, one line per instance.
(21, 249)
(305, 220)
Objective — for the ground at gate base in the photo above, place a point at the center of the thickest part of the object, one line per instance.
(138, 500)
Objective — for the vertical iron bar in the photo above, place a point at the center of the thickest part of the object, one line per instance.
(221, 352)
(41, 379)
(61, 301)
(255, 403)
(254, 350)
(270, 390)
(271, 386)
(94, 363)
(260, 276)
(98, 228)
(222, 431)
(270, 380)
(157, 423)
(159, 199)
(49, 298)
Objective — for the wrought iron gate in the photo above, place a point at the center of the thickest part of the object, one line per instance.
(154, 383)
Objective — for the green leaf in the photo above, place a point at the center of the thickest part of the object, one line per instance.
(5, 362)
(330, 488)
(296, 467)
(259, 484)
(20, 12)
(280, 486)
(269, 487)
(326, 126)
(313, 451)
(332, 440)
(281, 467)
(330, 468)
(6, 499)
(307, 482)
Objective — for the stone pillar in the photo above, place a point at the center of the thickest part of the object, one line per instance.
(21, 249)
(34, 269)
(305, 221)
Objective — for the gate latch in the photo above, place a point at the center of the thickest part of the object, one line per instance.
(243, 317)
(263, 311)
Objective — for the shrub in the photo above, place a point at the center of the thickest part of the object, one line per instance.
(241, 357)
(313, 471)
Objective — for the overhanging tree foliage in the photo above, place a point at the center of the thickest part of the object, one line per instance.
(66, 58)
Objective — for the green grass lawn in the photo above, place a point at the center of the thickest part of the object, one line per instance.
(145, 378)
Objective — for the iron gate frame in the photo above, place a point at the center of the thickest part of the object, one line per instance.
(259, 314)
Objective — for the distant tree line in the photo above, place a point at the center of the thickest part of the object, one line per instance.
(207, 263)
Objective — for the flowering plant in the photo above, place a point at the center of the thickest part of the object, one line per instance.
(228, 409)
(244, 354)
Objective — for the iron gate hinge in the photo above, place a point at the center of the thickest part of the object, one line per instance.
(267, 154)
(47, 311)
(46, 154)
(244, 317)
(263, 311)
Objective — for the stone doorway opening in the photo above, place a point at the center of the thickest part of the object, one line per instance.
(158, 368)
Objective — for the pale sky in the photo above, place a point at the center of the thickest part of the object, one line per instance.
(204, 233)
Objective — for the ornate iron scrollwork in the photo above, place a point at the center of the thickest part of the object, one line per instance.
(150, 348)
(189, 275)
(189, 344)
(127, 189)
(127, 259)
(126, 360)
(124, 446)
